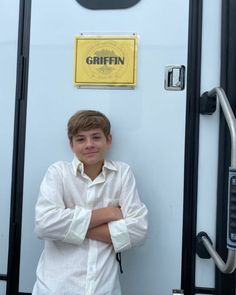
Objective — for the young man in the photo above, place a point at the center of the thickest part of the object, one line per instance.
(87, 211)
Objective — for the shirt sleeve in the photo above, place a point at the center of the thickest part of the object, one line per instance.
(53, 221)
(130, 231)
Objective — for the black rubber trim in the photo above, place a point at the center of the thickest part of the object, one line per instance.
(199, 290)
(18, 149)
(191, 148)
(3, 277)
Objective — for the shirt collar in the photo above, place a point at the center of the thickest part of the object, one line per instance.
(79, 166)
(109, 165)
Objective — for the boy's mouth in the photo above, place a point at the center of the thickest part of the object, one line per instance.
(90, 153)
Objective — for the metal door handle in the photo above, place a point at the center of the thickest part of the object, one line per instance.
(174, 77)
(230, 265)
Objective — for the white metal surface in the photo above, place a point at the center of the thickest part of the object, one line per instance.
(9, 11)
(148, 126)
(2, 287)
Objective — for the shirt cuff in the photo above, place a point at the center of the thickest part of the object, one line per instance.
(119, 235)
(79, 226)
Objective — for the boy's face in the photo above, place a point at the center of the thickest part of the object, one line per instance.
(91, 146)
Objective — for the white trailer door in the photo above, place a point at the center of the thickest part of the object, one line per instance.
(148, 125)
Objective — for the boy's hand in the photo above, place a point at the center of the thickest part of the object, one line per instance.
(105, 215)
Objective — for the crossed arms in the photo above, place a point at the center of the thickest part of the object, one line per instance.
(98, 227)
(72, 223)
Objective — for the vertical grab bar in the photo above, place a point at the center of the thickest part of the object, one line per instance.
(230, 119)
(230, 265)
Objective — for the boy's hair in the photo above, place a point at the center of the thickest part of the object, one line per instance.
(86, 120)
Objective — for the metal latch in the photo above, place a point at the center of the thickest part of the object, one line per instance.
(177, 292)
(174, 77)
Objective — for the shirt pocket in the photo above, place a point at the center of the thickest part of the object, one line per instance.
(111, 193)
(112, 199)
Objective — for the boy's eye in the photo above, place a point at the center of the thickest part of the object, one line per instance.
(80, 139)
(96, 137)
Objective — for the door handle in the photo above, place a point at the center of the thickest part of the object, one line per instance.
(174, 77)
(230, 265)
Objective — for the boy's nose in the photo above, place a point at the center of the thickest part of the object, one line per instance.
(89, 142)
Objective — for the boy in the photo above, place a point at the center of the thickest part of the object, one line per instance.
(87, 211)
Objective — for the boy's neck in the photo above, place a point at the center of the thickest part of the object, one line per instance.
(93, 170)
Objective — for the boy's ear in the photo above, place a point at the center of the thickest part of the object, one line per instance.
(109, 139)
(71, 144)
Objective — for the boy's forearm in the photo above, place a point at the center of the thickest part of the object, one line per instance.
(104, 215)
(100, 233)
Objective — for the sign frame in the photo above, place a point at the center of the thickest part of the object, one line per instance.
(106, 61)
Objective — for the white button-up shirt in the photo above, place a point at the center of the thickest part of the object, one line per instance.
(70, 263)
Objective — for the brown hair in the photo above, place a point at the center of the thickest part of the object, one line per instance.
(87, 120)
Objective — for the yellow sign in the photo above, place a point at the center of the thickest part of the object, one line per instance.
(105, 61)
